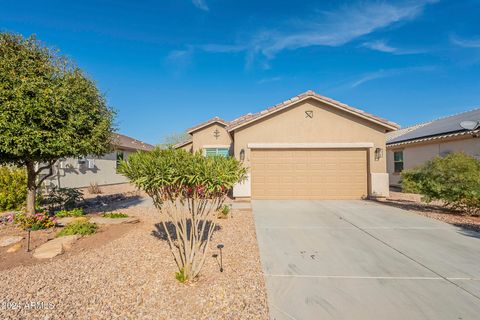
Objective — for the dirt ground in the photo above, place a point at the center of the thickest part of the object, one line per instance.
(104, 235)
(435, 210)
(132, 276)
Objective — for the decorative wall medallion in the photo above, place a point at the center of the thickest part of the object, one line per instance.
(309, 114)
(216, 134)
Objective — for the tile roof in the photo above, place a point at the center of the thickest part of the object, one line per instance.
(124, 141)
(252, 117)
(183, 143)
(443, 127)
(206, 123)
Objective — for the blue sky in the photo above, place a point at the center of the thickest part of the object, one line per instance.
(166, 65)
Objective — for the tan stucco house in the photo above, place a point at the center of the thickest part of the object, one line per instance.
(81, 172)
(413, 146)
(308, 147)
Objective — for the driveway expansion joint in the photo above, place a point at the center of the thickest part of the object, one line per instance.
(407, 256)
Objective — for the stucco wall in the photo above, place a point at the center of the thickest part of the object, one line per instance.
(187, 147)
(328, 125)
(205, 137)
(416, 155)
(103, 173)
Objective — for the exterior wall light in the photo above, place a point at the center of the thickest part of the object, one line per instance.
(242, 155)
(378, 153)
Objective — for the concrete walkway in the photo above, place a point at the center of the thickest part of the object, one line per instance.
(363, 260)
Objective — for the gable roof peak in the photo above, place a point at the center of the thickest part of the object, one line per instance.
(241, 121)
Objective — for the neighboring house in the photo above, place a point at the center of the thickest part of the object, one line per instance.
(81, 172)
(308, 147)
(413, 146)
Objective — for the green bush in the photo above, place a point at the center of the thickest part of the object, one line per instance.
(13, 188)
(114, 215)
(454, 180)
(37, 221)
(224, 211)
(63, 198)
(81, 227)
(77, 212)
(189, 189)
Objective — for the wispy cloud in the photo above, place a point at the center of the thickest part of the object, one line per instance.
(383, 46)
(465, 43)
(333, 28)
(387, 73)
(179, 60)
(379, 45)
(200, 4)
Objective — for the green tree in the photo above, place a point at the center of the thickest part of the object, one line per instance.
(174, 138)
(188, 189)
(49, 109)
(454, 180)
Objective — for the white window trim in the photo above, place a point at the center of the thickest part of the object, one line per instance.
(341, 145)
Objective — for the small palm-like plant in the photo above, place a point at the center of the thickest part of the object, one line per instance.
(188, 189)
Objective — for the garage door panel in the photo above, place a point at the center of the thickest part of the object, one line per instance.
(309, 174)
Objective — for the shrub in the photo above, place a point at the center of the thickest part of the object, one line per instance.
(93, 188)
(114, 215)
(13, 188)
(77, 212)
(37, 221)
(454, 180)
(224, 211)
(63, 198)
(80, 227)
(188, 189)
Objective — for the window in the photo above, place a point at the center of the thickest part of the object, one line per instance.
(120, 157)
(398, 161)
(216, 152)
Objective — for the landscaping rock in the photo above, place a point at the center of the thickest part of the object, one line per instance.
(5, 241)
(55, 247)
(102, 220)
(64, 221)
(14, 248)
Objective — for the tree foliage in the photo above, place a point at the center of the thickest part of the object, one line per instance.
(13, 188)
(49, 109)
(188, 189)
(454, 180)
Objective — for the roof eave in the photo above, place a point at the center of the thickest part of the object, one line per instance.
(388, 125)
(433, 138)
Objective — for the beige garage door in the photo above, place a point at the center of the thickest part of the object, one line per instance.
(309, 173)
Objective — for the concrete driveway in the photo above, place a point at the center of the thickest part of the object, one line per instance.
(364, 260)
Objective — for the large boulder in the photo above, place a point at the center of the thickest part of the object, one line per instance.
(55, 247)
(6, 241)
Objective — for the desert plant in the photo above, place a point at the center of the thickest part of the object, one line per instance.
(114, 215)
(80, 227)
(188, 189)
(93, 188)
(37, 221)
(454, 180)
(13, 188)
(224, 211)
(63, 198)
(77, 212)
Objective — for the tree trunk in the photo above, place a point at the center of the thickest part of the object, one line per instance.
(31, 187)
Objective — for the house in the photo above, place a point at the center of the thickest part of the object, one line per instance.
(413, 146)
(308, 147)
(81, 172)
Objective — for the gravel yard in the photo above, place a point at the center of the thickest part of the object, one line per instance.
(412, 202)
(133, 277)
